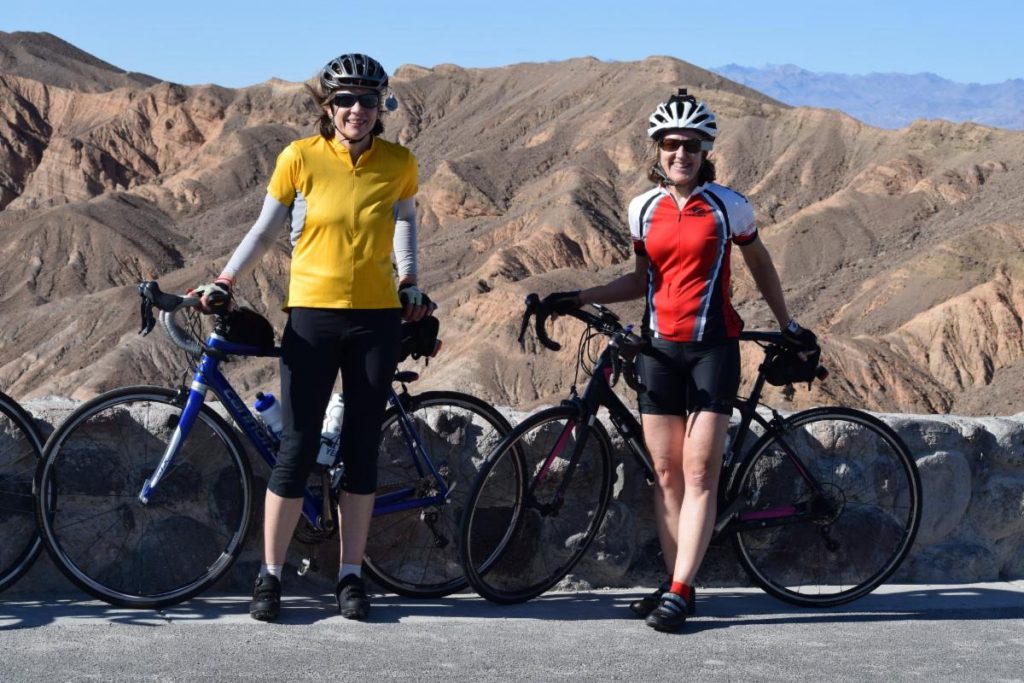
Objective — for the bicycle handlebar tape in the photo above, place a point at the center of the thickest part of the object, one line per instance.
(540, 314)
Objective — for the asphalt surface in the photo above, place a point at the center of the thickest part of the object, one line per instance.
(921, 633)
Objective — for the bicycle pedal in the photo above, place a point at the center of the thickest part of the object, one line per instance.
(307, 564)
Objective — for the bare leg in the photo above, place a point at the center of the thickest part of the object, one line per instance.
(279, 520)
(702, 464)
(355, 512)
(664, 436)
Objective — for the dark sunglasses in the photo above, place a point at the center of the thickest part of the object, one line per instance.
(346, 100)
(672, 144)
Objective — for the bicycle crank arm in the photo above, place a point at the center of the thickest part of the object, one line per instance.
(430, 519)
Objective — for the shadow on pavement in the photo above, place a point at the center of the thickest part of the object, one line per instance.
(716, 608)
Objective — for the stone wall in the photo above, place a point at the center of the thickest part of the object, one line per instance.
(972, 523)
(972, 527)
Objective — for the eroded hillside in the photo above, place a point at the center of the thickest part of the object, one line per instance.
(902, 248)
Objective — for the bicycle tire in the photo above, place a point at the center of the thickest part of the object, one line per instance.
(108, 542)
(414, 552)
(21, 446)
(515, 544)
(874, 494)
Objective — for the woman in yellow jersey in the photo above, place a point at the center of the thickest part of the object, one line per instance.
(347, 197)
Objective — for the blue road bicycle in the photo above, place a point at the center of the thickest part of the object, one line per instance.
(144, 494)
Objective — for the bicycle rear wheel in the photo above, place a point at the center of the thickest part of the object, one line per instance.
(537, 504)
(861, 528)
(108, 542)
(20, 448)
(414, 551)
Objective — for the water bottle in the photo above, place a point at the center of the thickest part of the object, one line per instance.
(331, 430)
(269, 410)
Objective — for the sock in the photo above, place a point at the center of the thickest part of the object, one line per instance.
(685, 590)
(346, 569)
(272, 570)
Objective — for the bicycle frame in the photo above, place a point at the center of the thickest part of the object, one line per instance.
(208, 377)
(598, 392)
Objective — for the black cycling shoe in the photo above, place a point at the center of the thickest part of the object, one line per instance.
(670, 614)
(646, 604)
(351, 596)
(266, 599)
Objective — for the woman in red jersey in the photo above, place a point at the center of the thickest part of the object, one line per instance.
(682, 232)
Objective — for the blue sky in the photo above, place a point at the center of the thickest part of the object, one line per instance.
(241, 43)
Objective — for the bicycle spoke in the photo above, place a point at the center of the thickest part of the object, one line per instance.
(144, 554)
(454, 431)
(869, 485)
(519, 539)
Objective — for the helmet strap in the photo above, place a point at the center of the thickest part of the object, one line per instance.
(334, 112)
(660, 172)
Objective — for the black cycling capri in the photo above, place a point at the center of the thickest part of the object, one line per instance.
(317, 343)
(687, 377)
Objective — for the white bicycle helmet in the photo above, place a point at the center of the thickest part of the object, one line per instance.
(683, 111)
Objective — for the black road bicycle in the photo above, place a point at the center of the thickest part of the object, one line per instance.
(20, 446)
(822, 507)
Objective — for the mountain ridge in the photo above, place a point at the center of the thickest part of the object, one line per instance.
(888, 100)
(884, 239)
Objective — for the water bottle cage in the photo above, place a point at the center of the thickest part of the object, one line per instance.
(336, 473)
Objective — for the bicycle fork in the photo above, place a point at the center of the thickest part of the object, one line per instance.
(193, 403)
(558, 498)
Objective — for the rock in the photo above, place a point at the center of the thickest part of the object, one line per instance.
(950, 562)
(998, 507)
(946, 492)
(614, 550)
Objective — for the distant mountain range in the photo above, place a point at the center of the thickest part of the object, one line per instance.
(888, 100)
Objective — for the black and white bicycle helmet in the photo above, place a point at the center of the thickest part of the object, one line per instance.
(353, 70)
(683, 111)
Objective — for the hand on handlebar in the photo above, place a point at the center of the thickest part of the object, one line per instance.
(800, 338)
(560, 303)
(214, 297)
(416, 305)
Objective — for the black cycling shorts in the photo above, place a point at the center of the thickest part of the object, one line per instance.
(688, 377)
(318, 343)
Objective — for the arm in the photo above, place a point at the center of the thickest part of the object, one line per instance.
(759, 261)
(257, 241)
(625, 288)
(415, 304)
(405, 240)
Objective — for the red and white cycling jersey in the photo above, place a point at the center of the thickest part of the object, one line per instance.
(688, 247)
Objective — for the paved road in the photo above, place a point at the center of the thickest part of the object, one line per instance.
(921, 633)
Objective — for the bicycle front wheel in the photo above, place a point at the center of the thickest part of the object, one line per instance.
(537, 504)
(108, 542)
(20, 447)
(861, 512)
(412, 547)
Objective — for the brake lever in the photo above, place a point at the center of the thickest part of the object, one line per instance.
(540, 315)
(146, 311)
(531, 301)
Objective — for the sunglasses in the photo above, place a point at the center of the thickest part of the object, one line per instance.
(672, 144)
(346, 100)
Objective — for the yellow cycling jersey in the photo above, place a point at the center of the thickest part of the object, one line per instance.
(342, 220)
